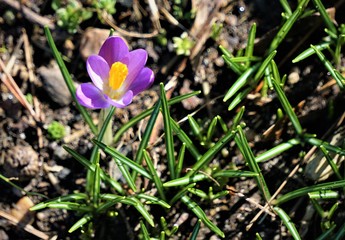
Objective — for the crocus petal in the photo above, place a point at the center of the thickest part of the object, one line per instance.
(143, 81)
(135, 62)
(98, 70)
(88, 95)
(113, 49)
(124, 101)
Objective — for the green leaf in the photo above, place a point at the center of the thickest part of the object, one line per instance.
(287, 222)
(310, 51)
(240, 82)
(86, 163)
(287, 108)
(207, 157)
(144, 231)
(69, 197)
(247, 153)
(147, 112)
(193, 206)
(195, 230)
(283, 31)
(123, 159)
(155, 176)
(250, 43)
(327, 20)
(304, 191)
(146, 137)
(85, 219)
(185, 139)
(169, 140)
(153, 200)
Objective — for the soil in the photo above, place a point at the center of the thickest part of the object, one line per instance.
(39, 164)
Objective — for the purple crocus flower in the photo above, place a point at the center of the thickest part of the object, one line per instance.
(117, 76)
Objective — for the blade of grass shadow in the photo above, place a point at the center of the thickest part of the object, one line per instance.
(69, 81)
(169, 140)
(147, 112)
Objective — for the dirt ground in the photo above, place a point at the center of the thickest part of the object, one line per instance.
(39, 164)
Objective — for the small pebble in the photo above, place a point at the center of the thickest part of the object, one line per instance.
(54, 84)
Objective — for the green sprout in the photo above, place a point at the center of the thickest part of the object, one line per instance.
(183, 44)
(56, 130)
(70, 15)
(216, 30)
(107, 6)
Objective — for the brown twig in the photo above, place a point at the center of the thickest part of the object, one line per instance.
(27, 227)
(32, 78)
(15, 90)
(29, 14)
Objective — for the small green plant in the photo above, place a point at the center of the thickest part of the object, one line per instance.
(71, 14)
(183, 44)
(56, 130)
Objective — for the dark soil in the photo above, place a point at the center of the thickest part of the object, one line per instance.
(39, 164)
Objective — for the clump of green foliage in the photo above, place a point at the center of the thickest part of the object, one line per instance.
(56, 130)
(183, 44)
(71, 13)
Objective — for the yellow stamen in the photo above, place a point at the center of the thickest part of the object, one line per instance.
(117, 75)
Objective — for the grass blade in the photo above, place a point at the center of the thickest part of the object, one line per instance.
(287, 107)
(69, 81)
(146, 136)
(91, 167)
(283, 31)
(194, 207)
(207, 157)
(287, 222)
(155, 176)
(147, 112)
(304, 191)
(169, 140)
(81, 222)
(242, 142)
(125, 160)
(185, 139)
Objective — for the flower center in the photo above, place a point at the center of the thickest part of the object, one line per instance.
(117, 75)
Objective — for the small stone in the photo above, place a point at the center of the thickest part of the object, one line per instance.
(21, 162)
(54, 84)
